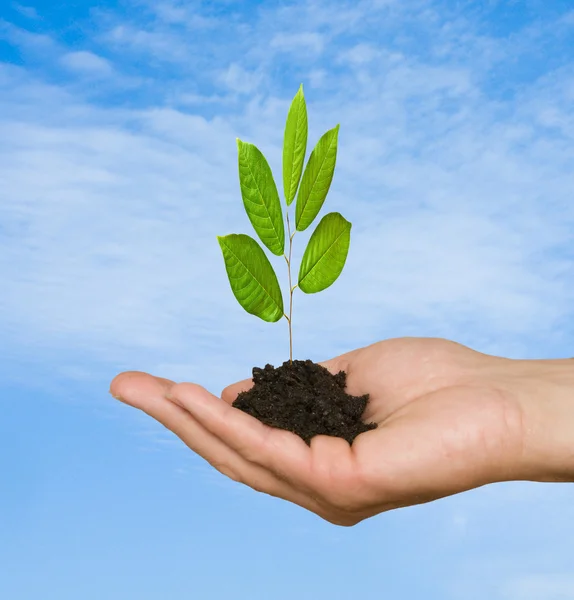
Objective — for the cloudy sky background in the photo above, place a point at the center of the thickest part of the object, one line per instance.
(117, 172)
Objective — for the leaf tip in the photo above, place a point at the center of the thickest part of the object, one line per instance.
(347, 222)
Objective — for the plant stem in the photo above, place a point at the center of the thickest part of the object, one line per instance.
(291, 288)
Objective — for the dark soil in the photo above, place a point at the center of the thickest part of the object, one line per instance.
(305, 398)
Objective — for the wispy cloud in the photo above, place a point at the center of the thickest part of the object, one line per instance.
(298, 43)
(159, 44)
(181, 13)
(110, 214)
(110, 243)
(118, 168)
(24, 39)
(86, 62)
(28, 11)
(360, 54)
(238, 80)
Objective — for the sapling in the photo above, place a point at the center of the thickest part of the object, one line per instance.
(252, 278)
(300, 396)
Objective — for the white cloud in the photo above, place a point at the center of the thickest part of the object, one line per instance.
(158, 43)
(112, 213)
(460, 198)
(180, 13)
(26, 40)
(300, 43)
(360, 54)
(317, 77)
(239, 80)
(191, 98)
(86, 62)
(28, 11)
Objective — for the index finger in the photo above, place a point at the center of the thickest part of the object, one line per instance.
(281, 452)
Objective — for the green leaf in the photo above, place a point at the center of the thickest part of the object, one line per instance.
(260, 197)
(316, 179)
(252, 278)
(326, 253)
(294, 145)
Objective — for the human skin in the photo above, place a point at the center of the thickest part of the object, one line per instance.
(449, 419)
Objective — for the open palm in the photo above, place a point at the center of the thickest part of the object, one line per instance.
(447, 422)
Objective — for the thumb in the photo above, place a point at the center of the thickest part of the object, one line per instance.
(229, 393)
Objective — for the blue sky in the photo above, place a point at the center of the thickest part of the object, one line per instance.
(118, 169)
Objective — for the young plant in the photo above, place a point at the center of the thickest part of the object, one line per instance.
(252, 278)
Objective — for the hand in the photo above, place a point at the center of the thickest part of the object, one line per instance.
(449, 419)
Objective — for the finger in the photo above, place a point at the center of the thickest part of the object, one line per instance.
(139, 389)
(280, 451)
(147, 393)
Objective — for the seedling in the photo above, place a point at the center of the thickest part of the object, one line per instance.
(300, 396)
(252, 278)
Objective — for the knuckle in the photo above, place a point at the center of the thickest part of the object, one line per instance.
(180, 391)
(338, 500)
(227, 471)
(347, 502)
(348, 495)
(252, 454)
(259, 486)
(341, 520)
(179, 388)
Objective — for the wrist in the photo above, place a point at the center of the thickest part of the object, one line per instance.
(545, 389)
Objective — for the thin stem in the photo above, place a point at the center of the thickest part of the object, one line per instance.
(291, 288)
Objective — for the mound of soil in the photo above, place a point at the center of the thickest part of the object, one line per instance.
(305, 398)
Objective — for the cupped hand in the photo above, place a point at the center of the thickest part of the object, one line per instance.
(448, 421)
